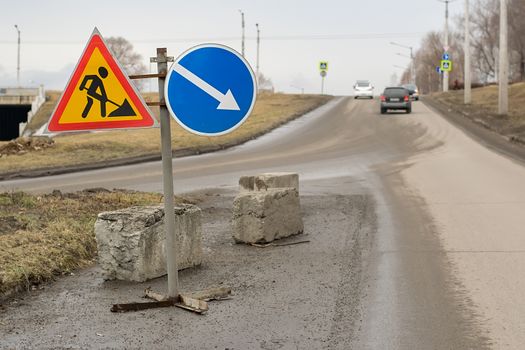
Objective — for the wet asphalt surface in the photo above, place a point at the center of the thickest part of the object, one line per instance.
(373, 276)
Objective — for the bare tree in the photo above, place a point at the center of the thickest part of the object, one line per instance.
(485, 38)
(517, 39)
(130, 60)
(264, 83)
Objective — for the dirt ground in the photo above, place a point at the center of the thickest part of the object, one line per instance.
(283, 297)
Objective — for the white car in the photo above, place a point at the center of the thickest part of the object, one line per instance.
(363, 88)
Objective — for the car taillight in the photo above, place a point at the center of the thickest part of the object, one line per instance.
(406, 98)
(383, 99)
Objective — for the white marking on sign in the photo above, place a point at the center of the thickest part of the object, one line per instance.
(226, 101)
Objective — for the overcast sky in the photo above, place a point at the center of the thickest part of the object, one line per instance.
(353, 36)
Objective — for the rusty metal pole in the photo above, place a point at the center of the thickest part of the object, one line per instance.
(167, 176)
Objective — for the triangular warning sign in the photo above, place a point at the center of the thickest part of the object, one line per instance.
(99, 95)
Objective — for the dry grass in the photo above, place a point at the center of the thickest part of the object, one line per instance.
(484, 107)
(45, 236)
(270, 111)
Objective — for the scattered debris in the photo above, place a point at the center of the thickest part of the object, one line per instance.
(23, 145)
(142, 306)
(220, 293)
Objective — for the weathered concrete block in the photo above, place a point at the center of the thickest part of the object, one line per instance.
(264, 216)
(131, 241)
(269, 180)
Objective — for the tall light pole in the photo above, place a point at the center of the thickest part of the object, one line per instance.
(446, 48)
(242, 26)
(413, 70)
(466, 49)
(18, 58)
(258, 42)
(503, 103)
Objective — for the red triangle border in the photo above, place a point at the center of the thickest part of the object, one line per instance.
(96, 41)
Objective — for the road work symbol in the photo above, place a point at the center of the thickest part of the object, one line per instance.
(210, 90)
(99, 95)
(96, 91)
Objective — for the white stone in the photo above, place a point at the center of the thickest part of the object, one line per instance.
(264, 216)
(131, 241)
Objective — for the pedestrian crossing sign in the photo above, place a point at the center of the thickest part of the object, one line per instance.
(323, 66)
(446, 65)
(99, 95)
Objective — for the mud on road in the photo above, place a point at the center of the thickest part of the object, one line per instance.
(299, 296)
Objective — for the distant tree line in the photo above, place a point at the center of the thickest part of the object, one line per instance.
(484, 32)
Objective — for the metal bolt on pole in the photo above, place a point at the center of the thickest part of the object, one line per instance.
(466, 49)
(167, 176)
(503, 81)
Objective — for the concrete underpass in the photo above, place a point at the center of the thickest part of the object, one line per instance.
(10, 118)
(18, 105)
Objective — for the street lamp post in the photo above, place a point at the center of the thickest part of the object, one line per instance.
(412, 58)
(242, 26)
(445, 74)
(18, 58)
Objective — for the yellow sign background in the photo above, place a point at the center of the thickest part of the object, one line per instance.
(114, 90)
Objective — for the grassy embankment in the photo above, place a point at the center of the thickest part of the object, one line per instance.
(484, 109)
(49, 235)
(45, 236)
(270, 111)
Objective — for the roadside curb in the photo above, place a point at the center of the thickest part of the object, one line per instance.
(185, 152)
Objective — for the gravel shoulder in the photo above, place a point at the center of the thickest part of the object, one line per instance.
(300, 296)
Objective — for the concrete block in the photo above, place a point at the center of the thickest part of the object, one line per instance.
(264, 216)
(131, 241)
(269, 180)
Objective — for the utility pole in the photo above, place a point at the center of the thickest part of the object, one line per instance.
(445, 74)
(503, 81)
(257, 65)
(466, 49)
(242, 25)
(18, 58)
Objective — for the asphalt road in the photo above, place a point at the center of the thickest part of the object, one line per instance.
(416, 243)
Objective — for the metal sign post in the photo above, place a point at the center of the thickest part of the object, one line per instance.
(167, 177)
(323, 68)
(323, 74)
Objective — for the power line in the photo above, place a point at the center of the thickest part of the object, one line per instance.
(236, 38)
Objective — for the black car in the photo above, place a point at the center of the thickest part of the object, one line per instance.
(412, 90)
(394, 98)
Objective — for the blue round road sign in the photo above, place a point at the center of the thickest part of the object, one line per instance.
(210, 90)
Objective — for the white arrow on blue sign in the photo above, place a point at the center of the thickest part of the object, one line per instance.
(446, 56)
(210, 90)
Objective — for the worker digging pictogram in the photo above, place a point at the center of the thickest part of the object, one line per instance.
(96, 91)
